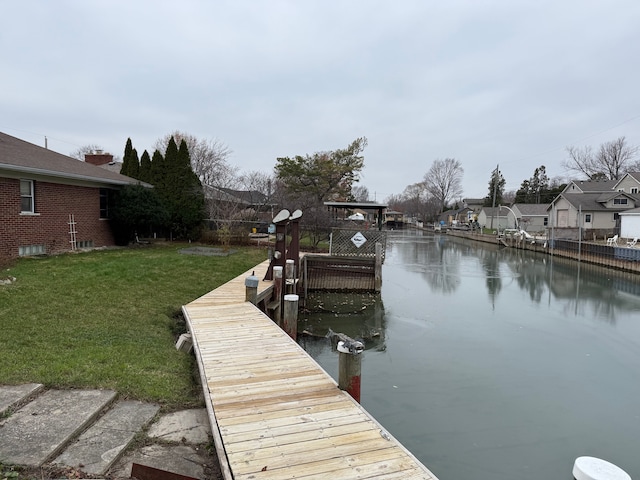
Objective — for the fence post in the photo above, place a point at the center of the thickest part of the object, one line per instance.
(251, 288)
(290, 315)
(350, 366)
(378, 268)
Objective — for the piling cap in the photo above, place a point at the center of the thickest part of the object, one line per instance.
(252, 280)
(354, 347)
(590, 468)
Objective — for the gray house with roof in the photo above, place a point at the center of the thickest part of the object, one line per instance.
(532, 217)
(594, 207)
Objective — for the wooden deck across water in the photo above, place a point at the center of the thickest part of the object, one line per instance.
(275, 413)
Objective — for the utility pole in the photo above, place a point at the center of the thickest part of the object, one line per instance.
(494, 177)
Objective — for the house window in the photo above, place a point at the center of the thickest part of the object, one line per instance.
(28, 250)
(587, 218)
(546, 221)
(106, 201)
(634, 189)
(26, 196)
(619, 201)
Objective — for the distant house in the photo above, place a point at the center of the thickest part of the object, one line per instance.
(496, 218)
(590, 186)
(226, 205)
(595, 214)
(51, 203)
(455, 217)
(630, 183)
(532, 217)
(475, 205)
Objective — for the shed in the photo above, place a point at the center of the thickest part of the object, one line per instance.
(630, 223)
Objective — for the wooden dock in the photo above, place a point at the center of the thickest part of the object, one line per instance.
(275, 413)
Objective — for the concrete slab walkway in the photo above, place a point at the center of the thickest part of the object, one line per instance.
(90, 432)
(103, 443)
(37, 431)
(13, 395)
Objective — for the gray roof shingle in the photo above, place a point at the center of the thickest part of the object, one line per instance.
(26, 158)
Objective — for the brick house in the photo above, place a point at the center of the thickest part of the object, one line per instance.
(51, 203)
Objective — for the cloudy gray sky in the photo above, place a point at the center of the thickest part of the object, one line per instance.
(503, 82)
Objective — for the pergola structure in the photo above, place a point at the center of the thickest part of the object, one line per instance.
(366, 206)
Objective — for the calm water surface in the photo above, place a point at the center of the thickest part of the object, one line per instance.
(494, 363)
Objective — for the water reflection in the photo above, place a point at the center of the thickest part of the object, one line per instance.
(583, 288)
(358, 315)
(494, 363)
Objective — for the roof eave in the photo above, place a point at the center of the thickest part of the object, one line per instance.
(72, 176)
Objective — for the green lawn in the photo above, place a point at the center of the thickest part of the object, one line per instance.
(109, 319)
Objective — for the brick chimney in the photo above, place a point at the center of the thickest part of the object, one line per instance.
(98, 158)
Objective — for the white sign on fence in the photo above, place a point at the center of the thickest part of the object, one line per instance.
(358, 239)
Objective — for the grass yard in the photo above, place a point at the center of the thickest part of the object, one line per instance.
(109, 319)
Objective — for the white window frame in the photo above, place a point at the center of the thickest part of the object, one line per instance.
(634, 189)
(587, 218)
(31, 196)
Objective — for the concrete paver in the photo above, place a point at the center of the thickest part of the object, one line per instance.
(182, 459)
(188, 426)
(37, 431)
(11, 395)
(101, 445)
(41, 428)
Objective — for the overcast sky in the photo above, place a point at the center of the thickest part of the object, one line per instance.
(503, 82)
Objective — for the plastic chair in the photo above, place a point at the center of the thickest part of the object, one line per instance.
(612, 241)
(632, 243)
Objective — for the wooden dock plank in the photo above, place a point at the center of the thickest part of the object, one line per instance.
(276, 413)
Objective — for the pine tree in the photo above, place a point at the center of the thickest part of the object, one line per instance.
(496, 189)
(126, 158)
(134, 165)
(181, 190)
(145, 167)
(157, 167)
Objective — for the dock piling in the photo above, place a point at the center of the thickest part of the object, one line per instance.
(251, 288)
(290, 315)
(277, 294)
(350, 366)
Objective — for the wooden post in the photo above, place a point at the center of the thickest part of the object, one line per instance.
(277, 294)
(251, 288)
(280, 221)
(290, 315)
(290, 275)
(350, 366)
(378, 268)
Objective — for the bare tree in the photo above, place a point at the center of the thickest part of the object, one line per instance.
(509, 197)
(360, 193)
(209, 158)
(444, 180)
(259, 187)
(415, 201)
(612, 160)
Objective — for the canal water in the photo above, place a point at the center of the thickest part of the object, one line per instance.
(493, 363)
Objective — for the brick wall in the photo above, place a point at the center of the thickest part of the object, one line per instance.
(50, 225)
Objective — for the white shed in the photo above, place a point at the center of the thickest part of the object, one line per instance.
(630, 223)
